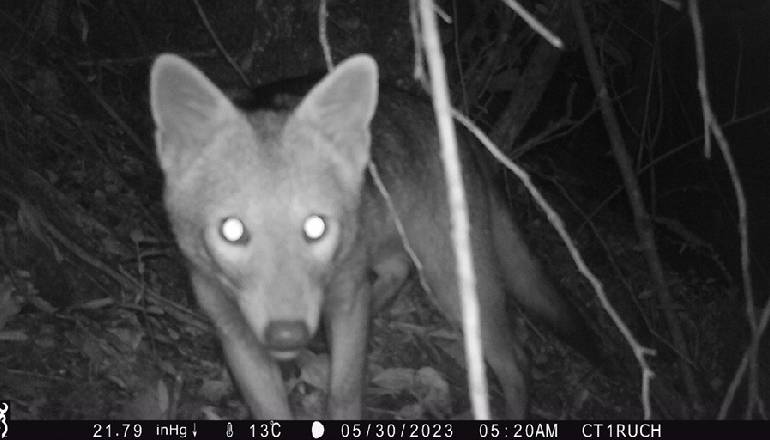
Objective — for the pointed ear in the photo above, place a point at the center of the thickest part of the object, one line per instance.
(187, 108)
(342, 106)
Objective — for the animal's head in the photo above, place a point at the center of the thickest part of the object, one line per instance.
(265, 204)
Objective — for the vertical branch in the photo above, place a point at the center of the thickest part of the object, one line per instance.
(322, 38)
(642, 223)
(700, 57)
(764, 318)
(711, 126)
(639, 350)
(459, 213)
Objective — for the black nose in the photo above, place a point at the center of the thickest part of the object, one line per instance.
(286, 335)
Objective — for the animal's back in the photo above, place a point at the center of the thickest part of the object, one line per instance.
(405, 149)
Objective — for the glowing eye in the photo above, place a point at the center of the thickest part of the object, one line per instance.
(314, 227)
(233, 230)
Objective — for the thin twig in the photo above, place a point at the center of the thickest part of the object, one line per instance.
(124, 280)
(141, 146)
(668, 154)
(220, 46)
(534, 23)
(322, 38)
(399, 226)
(741, 370)
(674, 4)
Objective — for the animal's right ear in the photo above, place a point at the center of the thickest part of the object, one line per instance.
(187, 108)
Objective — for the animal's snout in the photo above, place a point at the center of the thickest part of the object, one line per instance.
(286, 335)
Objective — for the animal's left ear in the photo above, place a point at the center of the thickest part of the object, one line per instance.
(342, 106)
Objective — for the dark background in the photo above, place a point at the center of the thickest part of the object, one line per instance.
(96, 319)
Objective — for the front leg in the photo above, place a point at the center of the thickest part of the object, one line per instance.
(347, 326)
(258, 377)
